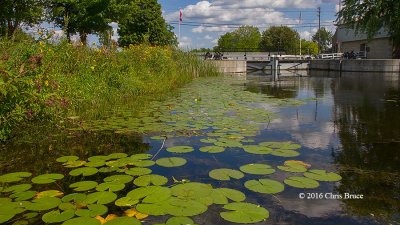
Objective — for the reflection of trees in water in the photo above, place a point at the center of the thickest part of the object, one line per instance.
(369, 156)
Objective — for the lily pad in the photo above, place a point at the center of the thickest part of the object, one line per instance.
(49, 193)
(85, 171)
(56, 217)
(180, 149)
(124, 220)
(242, 212)
(14, 177)
(47, 178)
(256, 149)
(83, 185)
(301, 182)
(322, 175)
(74, 164)
(110, 186)
(45, 203)
(293, 167)
(171, 162)
(141, 156)
(225, 174)
(221, 195)
(154, 179)
(119, 178)
(82, 220)
(64, 159)
(192, 191)
(281, 145)
(150, 194)
(98, 158)
(173, 206)
(98, 163)
(92, 211)
(18, 188)
(212, 149)
(266, 186)
(285, 153)
(259, 169)
(117, 155)
(179, 220)
(138, 171)
(102, 197)
(144, 163)
(22, 196)
(126, 201)
(76, 197)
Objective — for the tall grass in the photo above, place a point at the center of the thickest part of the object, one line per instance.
(41, 81)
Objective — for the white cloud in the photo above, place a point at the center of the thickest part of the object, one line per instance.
(185, 42)
(208, 37)
(215, 41)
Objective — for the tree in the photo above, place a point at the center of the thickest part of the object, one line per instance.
(372, 15)
(15, 12)
(144, 22)
(280, 38)
(325, 38)
(245, 38)
(83, 16)
(308, 47)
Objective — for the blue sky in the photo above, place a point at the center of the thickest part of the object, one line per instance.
(205, 21)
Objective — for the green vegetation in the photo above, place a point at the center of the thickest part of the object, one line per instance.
(281, 38)
(324, 37)
(245, 38)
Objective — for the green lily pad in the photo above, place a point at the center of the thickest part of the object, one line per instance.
(150, 194)
(256, 149)
(137, 157)
(82, 220)
(221, 195)
(154, 179)
(56, 217)
(74, 164)
(116, 163)
(301, 182)
(64, 159)
(285, 153)
(144, 163)
(192, 191)
(18, 188)
(293, 167)
(322, 175)
(225, 174)
(22, 196)
(85, 171)
(242, 212)
(76, 197)
(281, 145)
(226, 142)
(171, 162)
(14, 177)
(259, 169)
(173, 206)
(98, 163)
(266, 186)
(180, 149)
(92, 211)
(138, 171)
(67, 206)
(102, 197)
(108, 169)
(47, 178)
(212, 149)
(208, 140)
(126, 201)
(49, 193)
(179, 220)
(45, 203)
(124, 220)
(119, 178)
(110, 186)
(98, 158)
(83, 185)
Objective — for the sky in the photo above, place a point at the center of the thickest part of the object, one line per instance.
(203, 22)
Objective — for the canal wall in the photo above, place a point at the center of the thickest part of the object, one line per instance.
(230, 66)
(357, 65)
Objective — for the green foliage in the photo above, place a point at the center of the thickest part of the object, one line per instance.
(309, 48)
(171, 162)
(301, 182)
(180, 149)
(244, 213)
(322, 175)
(143, 23)
(225, 174)
(267, 186)
(324, 36)
(245, 38)
(279, 38)
(372, 16)
(260, 169)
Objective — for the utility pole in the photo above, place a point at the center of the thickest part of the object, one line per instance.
(319, 29)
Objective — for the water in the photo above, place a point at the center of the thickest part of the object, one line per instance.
(348, 125)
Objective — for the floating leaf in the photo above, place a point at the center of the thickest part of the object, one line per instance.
(267, 186)
(293, 167)
(138, 171)
(108, 218)
(102, 197)
(301, 182)
(256, 149)
(56, 217)
(192, 191)
(144, 163)
(108, 169)
(98, 163)
(285, 153)
(180, 149)
(49, 193)
(260, 169)
(45, 203)
(221, 195)
(14, 177)
(225, 174)
(123, 221)
(134, 213)
(281, 145)
(74, 164)
(321, 175)
(173, 206)
(76, 197)
(22, 196)
(92, 211)
(110, 186)
(137, 157)
(116, 164)
(244, 213)
(290, 162)
(85, 171)
(18, 188)
(119, 178)
(212, 149)
(179, 220)
(64, 159)
(82, 220)
(171, 162)
(126, 201)
(208, 140)
(151, 194)
(154, 179)
(47, 178)
(83, 185)
(98, 158)
(226, 142)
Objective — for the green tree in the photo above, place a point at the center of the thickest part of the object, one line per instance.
(280, 38)
(15, 12)
(245, 38)
(325, 38)
(144, 22)
(308, 47)
(83, 16)
(372, 15)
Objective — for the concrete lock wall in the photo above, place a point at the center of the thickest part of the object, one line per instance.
(357, 65)
(230, 66)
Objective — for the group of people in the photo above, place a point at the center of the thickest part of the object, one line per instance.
(216, 56)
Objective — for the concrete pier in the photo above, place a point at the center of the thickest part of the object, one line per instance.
(230, 66)
(357, 65)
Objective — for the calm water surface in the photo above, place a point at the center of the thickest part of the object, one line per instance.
(349, 125)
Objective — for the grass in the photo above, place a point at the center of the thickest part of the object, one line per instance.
(41, 81)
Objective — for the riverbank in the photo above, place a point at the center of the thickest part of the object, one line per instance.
(43, 82)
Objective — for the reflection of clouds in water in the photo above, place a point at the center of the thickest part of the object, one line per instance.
(311, 208)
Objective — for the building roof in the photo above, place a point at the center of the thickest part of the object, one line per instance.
(346, 35)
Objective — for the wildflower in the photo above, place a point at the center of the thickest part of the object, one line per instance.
(53, 31)
(92, 67)
(46, 83)
(29, 113)
(39, 32)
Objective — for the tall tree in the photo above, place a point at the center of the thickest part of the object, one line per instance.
(279, 38)
(245, 38)
(324, 37)
(372, 15)
(15, 12)
(144, 22)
